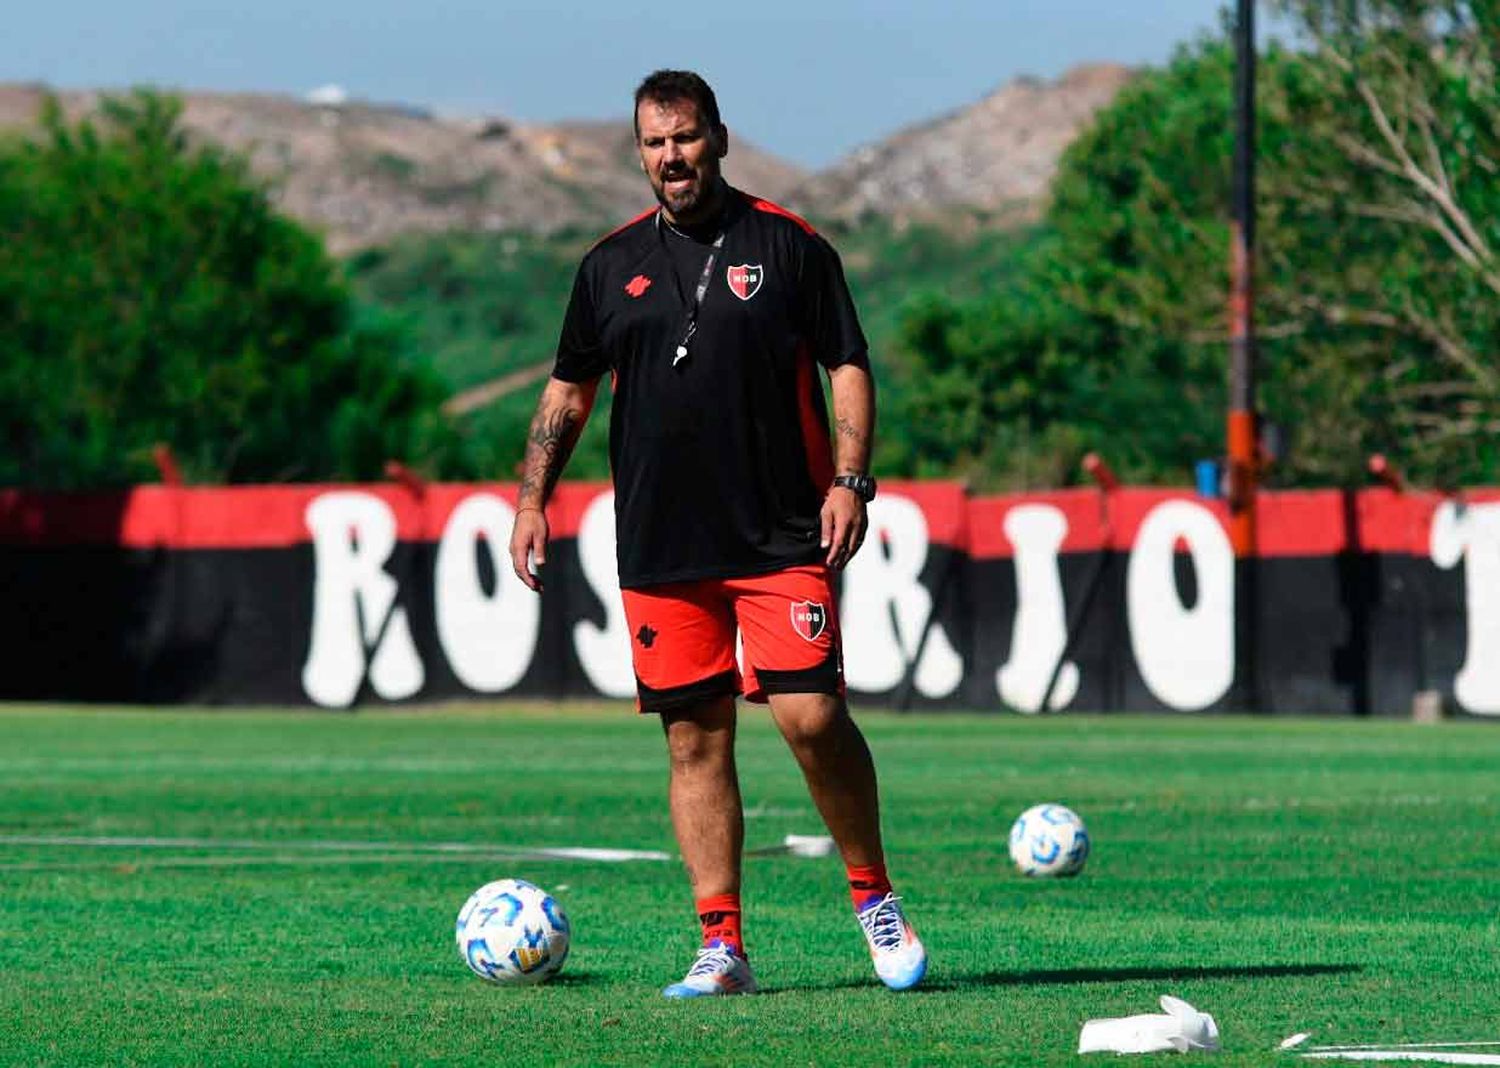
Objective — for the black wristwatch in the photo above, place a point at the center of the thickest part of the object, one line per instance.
(862, 485)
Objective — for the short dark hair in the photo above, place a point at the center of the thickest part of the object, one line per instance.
(669, 86)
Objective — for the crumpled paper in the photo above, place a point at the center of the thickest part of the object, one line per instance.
(1178, 1028)
(797, 845)
(808, 845)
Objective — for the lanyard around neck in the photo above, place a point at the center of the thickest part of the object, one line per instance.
(691, 326)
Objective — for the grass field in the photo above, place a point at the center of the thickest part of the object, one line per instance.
(1338, 877)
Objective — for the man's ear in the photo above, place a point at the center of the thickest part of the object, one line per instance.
(721, 141)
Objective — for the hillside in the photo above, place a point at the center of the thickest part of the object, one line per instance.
(997, 154)
(366, 173)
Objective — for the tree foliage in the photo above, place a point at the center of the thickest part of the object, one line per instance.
(1376, 271)
(149, 293)
(481, 307)
(1402, 169)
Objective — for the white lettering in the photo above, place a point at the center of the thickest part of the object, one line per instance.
(357, 628)
(885, 607)
(1471, 534)
(489, 639)
(1185, 655)
(1040, 633)
(604, 652)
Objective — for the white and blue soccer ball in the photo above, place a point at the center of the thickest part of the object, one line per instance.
(1049, 840)
(513, 932)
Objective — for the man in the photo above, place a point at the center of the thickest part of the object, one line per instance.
(732, 509)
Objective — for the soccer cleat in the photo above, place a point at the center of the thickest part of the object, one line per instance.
(900, 959)
(718, 970)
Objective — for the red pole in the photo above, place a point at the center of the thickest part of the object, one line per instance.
(1100, 472)
(1242, 430)
(166, 464)
(1243, 454)
(408, 479)
(1381, 470)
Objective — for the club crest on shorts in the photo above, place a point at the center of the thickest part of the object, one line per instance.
(809, 619)
(744, 279)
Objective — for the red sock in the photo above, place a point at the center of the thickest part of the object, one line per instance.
(720, 917)
(867, 885)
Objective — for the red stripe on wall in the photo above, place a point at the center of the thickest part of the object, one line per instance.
(1292, 523)
(243, 517)
(1392, 522)
(944, 505)
(1084, 511)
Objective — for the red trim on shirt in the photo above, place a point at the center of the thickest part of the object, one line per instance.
(642, 217)
(815, 437)
(776, 209)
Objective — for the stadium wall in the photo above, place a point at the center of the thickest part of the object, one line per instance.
(1076, 600)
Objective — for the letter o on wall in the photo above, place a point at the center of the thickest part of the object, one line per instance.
(1185, 655)
(489, 640)
(1471, 536)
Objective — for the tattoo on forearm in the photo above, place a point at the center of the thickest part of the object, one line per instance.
(553, 434)
(849, 430)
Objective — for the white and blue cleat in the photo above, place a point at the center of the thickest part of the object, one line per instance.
(899, 956)
(718, 970)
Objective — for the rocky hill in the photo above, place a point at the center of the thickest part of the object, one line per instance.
(364, 173)
(996, 154)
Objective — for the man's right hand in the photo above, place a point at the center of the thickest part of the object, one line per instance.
(528, 543)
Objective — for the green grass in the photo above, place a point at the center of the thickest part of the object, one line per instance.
(1332, 876)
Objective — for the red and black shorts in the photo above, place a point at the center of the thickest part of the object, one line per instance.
(683, 637)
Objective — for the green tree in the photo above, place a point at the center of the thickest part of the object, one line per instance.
(150, 293)
(484, 311)
(1111, 338)
(1379, 297)
(1403, 177)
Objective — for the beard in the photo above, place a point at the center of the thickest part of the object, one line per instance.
(689, 202)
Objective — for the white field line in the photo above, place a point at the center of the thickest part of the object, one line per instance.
(587, 853)
(1401, 1045)
(1427, 1056)
(300, 860)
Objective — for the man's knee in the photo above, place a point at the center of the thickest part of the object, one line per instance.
(699, 736)
(810, 719)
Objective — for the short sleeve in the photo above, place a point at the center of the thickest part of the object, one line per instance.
(830, 322)
(580, 353)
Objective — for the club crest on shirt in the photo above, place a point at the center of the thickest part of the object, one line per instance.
(809, 619)
(744, 279)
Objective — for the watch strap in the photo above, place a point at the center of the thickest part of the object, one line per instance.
(863, 486)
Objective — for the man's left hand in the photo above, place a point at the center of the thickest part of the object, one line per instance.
(844, 525)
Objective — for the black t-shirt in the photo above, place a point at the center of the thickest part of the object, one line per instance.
(720, 461)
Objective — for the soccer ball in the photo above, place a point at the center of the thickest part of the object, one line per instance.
(512, 932)
(1049, 840)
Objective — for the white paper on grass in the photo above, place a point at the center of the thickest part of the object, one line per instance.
(808, 845)
(1180, 1028)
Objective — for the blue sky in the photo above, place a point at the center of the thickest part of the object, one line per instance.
(807, 80)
